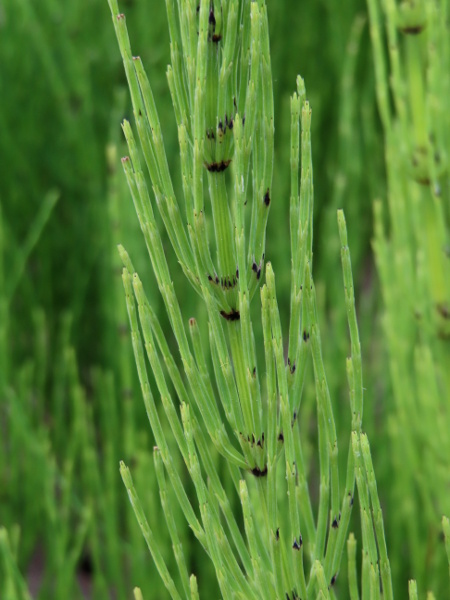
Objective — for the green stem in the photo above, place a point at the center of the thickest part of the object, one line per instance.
(417, 90)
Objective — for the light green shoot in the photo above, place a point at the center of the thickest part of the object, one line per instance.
(148, 534)
(221, 88)
(412, 590)
(352, 571)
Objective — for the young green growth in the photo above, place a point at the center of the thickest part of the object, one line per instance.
(138, 594)
(221, 89)
(147, 533)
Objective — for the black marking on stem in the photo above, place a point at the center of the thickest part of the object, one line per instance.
(413, 29)
(267, 198)
(305, 335)
(259, 443)
(210, 134)
(294, 418)
(257, 472)
(233, 315)
(333, 580)
(277, 534)
(229, 122)
(281, 437)
(251, 440)
(85, 565)
(254, 372)
(217, 167)
(351, 499)
(213, 36)
(257, 268)
(335, 523)
(237, 273)
(227, 283)
(297, 543)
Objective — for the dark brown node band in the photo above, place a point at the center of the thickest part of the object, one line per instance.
(217, 167)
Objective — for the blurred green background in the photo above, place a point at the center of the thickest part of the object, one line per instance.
(70, 407)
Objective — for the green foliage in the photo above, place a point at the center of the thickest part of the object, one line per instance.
(212, 141)
(414, 267)
(70, 398)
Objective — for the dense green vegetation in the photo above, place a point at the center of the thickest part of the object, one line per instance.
(374, 124)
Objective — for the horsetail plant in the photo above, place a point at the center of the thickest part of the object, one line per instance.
(413, 261)
(284, 541)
